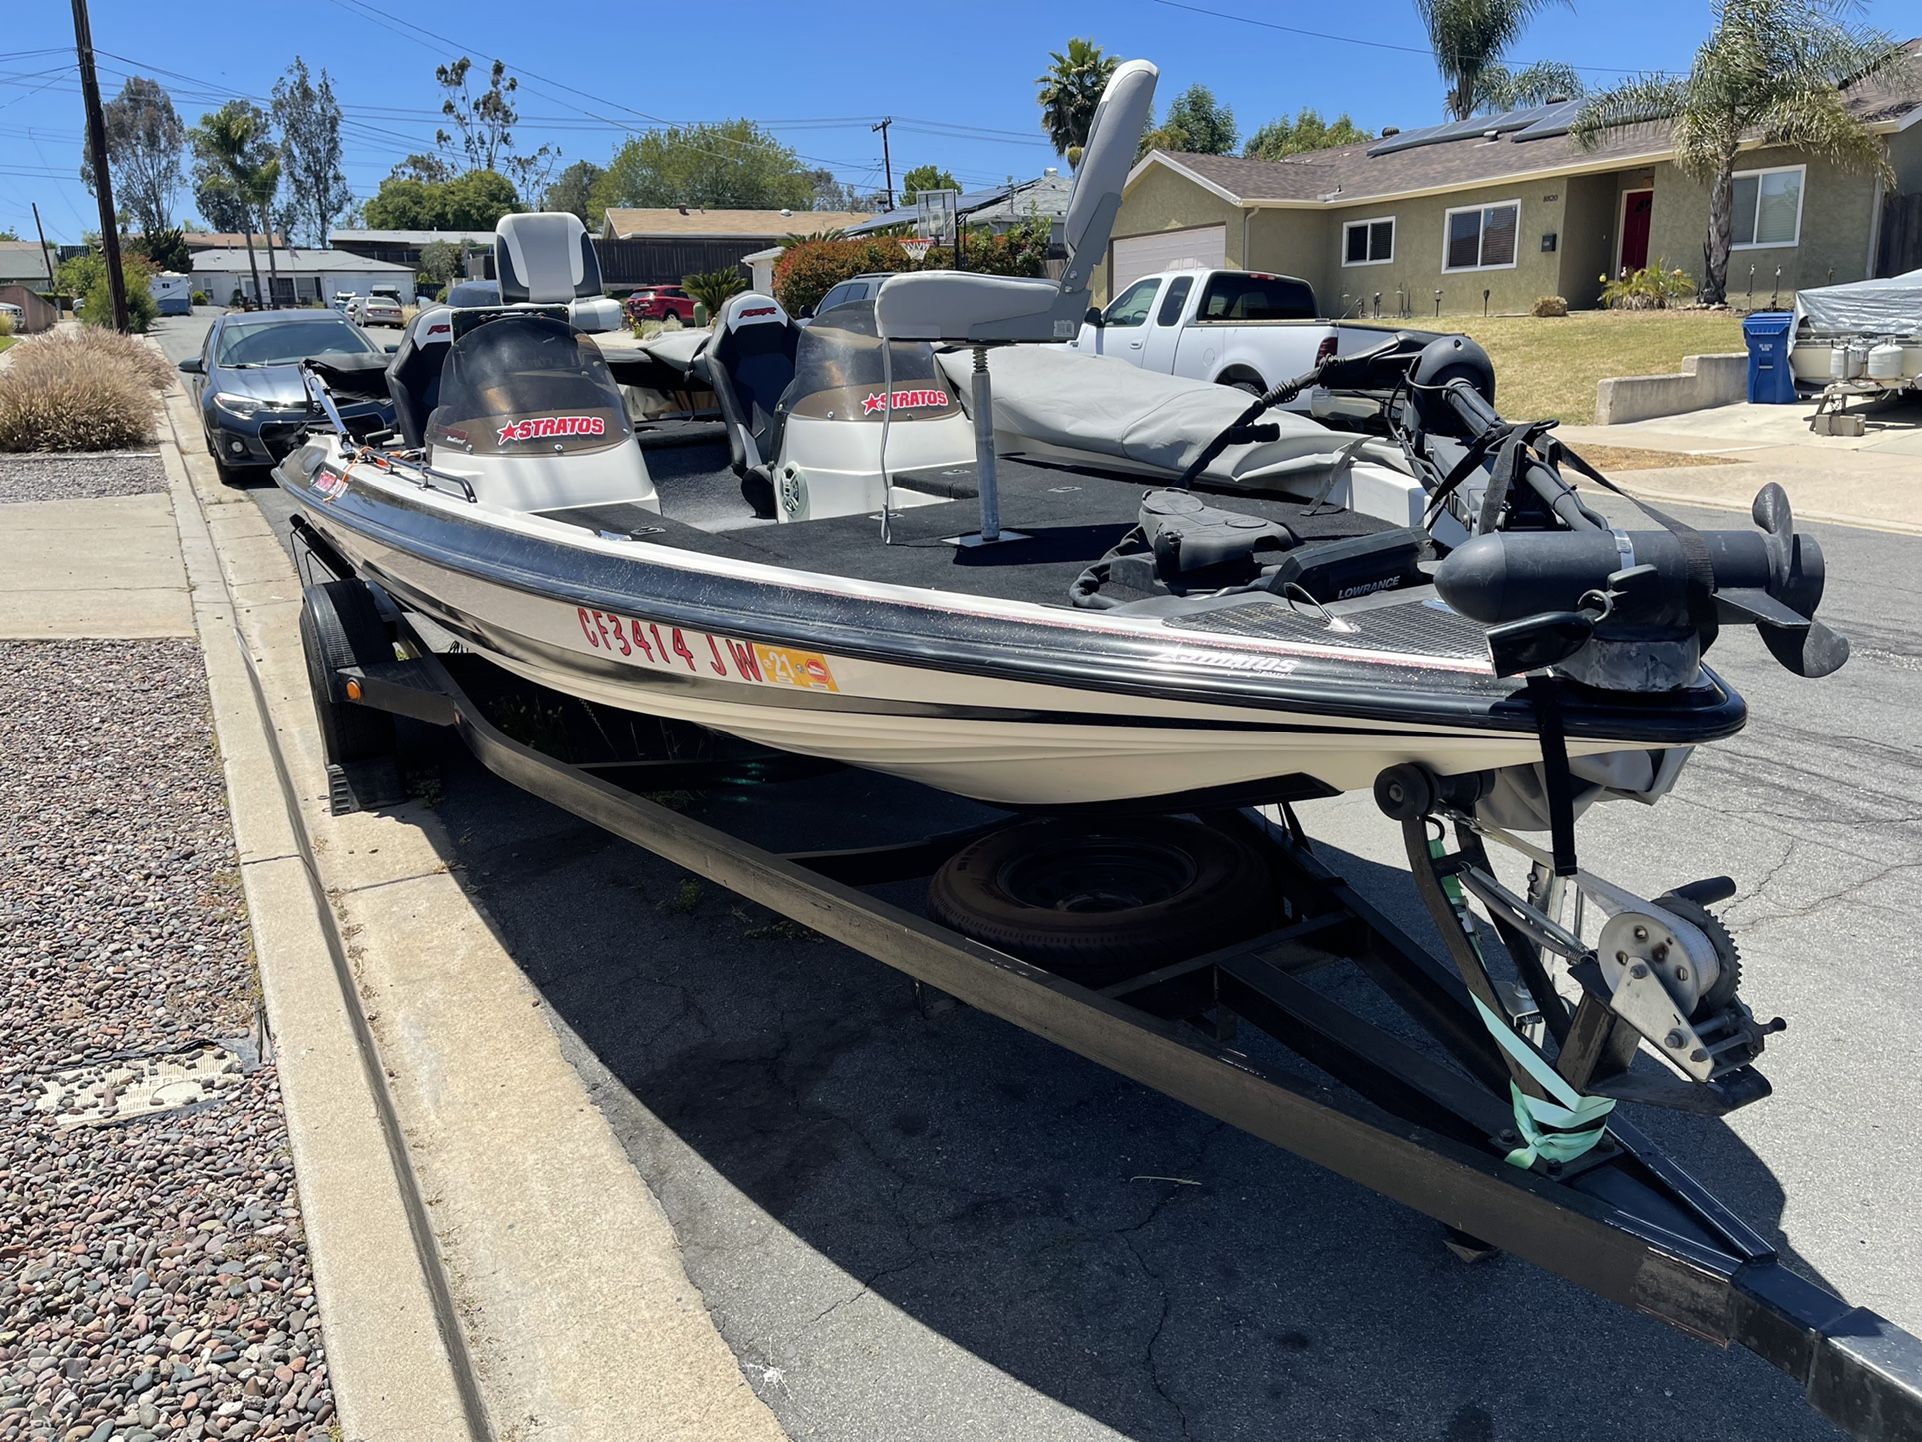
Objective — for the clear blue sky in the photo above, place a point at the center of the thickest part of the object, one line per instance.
(957, 78)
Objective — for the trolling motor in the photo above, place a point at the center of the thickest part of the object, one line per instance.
(1624, 610)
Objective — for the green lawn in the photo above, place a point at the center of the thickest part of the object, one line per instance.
(7, 340)
(1547, 368)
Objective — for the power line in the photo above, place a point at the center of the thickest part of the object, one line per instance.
(1422, 50)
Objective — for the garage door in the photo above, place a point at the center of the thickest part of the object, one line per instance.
(1139, 255)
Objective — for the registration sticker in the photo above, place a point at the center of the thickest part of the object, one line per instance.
(703, 653)
(330, 484)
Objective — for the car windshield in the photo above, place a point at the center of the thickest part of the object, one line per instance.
(284, 342)
(474, 292)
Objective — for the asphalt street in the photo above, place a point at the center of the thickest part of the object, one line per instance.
(921, 1223)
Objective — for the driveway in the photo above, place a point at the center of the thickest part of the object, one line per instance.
(915, 1222)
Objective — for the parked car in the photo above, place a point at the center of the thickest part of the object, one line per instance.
(379, 310)
(1241, 328)
(468, 293)
(342, 300)
(661, 302)
(862, 287)
(247, 382)
(14, 313)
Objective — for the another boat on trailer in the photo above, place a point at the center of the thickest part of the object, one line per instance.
(1059, 585)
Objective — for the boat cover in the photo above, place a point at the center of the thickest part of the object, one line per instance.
(1890, 306)
(1106, 407)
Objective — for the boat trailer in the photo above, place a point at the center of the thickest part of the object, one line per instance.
(1620, 1218)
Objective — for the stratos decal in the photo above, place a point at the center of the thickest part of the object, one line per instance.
(669, 648)
(903, 401)
(545, 426)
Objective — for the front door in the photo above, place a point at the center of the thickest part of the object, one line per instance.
(1637, 206)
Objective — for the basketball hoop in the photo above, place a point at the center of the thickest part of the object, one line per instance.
(917, 247)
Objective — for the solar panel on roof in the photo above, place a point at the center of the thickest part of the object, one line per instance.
(1555, 121)
(1504, 124)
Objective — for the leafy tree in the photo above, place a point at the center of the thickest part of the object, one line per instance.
(1537, 84)
(473, 201)
(1469, 38)
(439, 262)
(167, 249)
(833, 194)
(235, 150)
(1307, 131)
(423, 166)
(925, 177)
(144, 140)
(1070, 90)
(1207, 126)
(9, 234)
(573, 191)
(484, 125)
(309, 120)
(1773, 69)
(730, 165)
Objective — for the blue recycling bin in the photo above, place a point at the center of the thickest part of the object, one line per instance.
(1771, 382)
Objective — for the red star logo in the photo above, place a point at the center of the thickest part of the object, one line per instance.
(507, 433)
(873, 403)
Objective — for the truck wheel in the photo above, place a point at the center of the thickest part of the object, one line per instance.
(1096, 901)
(340, 626)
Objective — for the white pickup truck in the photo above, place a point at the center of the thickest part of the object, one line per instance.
(1239, 328)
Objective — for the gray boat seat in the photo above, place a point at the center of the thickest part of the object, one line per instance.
(987, 309)
(545, 258)
(750, 365)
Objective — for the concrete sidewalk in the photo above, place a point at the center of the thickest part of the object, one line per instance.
(572, 1298)
(1874, 480)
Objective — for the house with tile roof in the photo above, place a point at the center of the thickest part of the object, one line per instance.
(1496, 211)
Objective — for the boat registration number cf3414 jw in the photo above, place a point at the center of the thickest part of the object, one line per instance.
(674, 649)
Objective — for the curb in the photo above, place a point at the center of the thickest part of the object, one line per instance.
(394, 1347)
(565, 1275)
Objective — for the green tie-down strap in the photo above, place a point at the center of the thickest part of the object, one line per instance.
(1578, 1121)
(1557, 1130)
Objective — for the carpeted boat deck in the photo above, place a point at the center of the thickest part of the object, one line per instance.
(1068, 520)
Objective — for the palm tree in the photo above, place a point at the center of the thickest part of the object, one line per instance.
(1469, 37)
(1070, 90)
(1773, 72)
(236, 138)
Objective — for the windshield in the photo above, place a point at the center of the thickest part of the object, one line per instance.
(837, 372)
(526, 385)
(284, 342)
(474, 292)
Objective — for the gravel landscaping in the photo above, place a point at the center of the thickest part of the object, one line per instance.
(80, 476)
(154, 1280)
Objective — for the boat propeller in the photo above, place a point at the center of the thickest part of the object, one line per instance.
(1634, 610)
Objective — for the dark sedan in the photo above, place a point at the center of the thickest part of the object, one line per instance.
(247, 381)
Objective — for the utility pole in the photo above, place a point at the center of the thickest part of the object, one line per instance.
(887, 164)
(46, 251)
(102, 180)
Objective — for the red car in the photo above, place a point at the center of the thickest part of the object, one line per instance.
(658, 302)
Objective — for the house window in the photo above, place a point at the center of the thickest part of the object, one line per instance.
(1368, 242)
(1481, 237)
(1768, 206)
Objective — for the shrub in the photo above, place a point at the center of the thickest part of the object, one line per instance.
(70, 393)
(711, 288)
(200, 298)
(6, 323)
(1653, 287)
(810, 269)
(1549, 305)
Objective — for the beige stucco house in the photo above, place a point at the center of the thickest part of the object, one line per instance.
(1500, 210)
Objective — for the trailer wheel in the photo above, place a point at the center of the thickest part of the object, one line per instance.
(340, 626)
(1097, 901)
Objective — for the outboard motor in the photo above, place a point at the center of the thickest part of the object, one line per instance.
(1622, 610)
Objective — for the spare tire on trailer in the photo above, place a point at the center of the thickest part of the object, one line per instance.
(1094, 901)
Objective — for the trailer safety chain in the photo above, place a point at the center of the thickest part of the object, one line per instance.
(1560, 1126)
